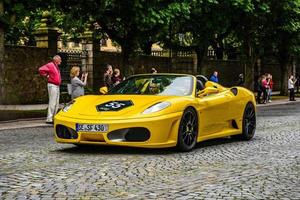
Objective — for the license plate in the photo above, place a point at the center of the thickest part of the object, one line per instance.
(91, 127)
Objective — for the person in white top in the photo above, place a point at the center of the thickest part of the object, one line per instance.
(291, 87)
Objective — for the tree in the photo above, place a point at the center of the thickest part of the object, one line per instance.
(283, 35)
(250, 20)
(23, 18)
(212, 21)
(134, 25)
(208, 24)
(2, 22)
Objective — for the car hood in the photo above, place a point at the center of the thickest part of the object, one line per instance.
(91, 106)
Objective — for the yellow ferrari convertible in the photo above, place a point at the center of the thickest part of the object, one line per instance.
(158, 110)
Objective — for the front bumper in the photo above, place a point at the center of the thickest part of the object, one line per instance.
(163, 130)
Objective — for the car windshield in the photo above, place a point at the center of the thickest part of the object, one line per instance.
(165, 85)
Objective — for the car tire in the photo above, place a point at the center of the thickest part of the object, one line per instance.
(249, 123)
(188, 130)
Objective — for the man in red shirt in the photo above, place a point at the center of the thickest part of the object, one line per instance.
(52, 73)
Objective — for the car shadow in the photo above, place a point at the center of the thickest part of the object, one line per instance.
(104, 149)
(216, 142)
(98, 149)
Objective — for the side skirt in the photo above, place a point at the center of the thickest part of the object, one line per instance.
(224, 133)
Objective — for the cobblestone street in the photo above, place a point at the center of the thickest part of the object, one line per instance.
(33, 166)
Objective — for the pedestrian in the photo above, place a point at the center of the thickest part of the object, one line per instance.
(291, 87)
(107, 77)
(77, 84)
(116, 77)
(153, 71)
(265, 86)
(270, 87)
(241, 80)
(214, 77)
(259, 88)
(52, 73)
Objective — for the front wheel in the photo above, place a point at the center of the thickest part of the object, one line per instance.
(249, 123)
(188, 130)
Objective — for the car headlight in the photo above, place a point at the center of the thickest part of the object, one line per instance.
(157, 107)
(68, 106)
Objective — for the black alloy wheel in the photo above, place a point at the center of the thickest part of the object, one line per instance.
(249, 123)
(188, 130)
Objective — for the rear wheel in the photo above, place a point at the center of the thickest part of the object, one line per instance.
(249, 123)
(188, 130)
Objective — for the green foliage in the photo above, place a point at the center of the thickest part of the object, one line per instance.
(132, 24)
(21, 17)
(264, 26)
(284, 22)
(24, 17)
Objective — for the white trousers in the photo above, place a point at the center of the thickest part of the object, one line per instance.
(53, 92)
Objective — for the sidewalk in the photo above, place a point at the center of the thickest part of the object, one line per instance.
(40, 122)
(279, 102)
(24, 123)
(27, 122)
(26, 107)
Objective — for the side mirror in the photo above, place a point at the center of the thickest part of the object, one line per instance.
(207, 91)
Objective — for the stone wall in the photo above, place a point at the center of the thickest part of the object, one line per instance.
(20, 79)
(22, 83)
(228, 70)
(142, 64)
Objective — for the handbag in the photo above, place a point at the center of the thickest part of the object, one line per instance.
(69, 87)
(103, 90)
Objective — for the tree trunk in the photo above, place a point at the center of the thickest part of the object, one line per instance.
(127, 53)
(286, 70)
(1, 55)
(251, 59)
(1, 34)
(249, 66)
(200, 51)
(284, 59)
(147, 47)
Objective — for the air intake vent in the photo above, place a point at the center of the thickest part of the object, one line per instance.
(234, 91)
(138, 134)
(65, 132)
(234, 124)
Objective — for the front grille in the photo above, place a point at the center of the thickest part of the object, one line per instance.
(66, 132)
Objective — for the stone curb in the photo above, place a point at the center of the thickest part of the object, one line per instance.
(274, 103)
(24, 123)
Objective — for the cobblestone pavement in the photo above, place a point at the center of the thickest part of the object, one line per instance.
(33, 166)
